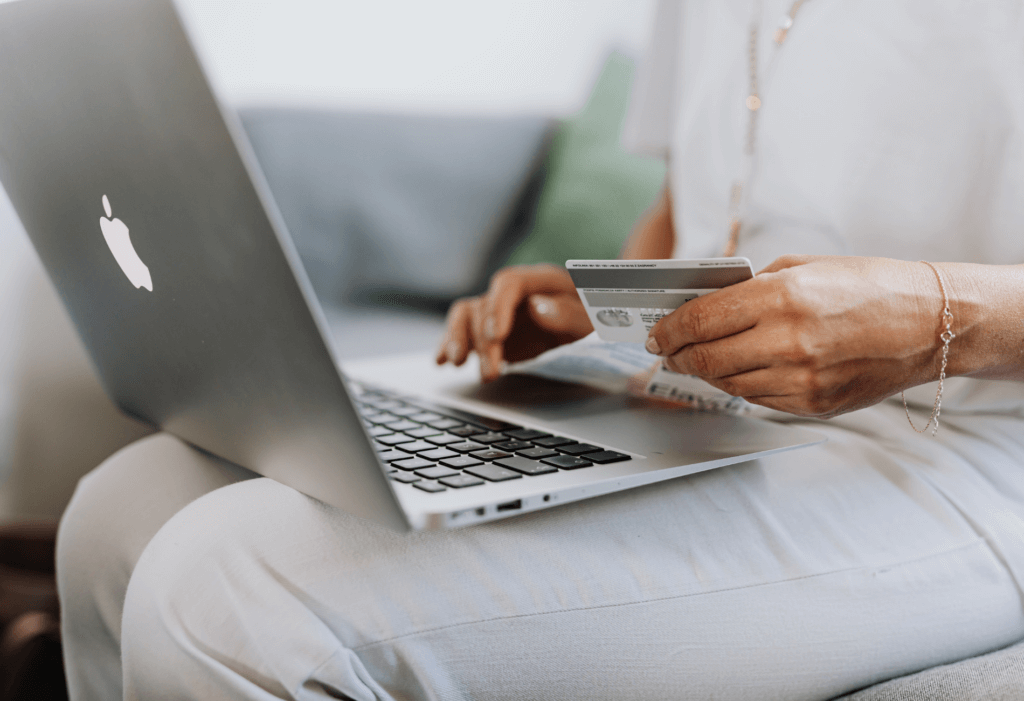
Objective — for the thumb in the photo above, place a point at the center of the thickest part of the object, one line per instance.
(560, 314)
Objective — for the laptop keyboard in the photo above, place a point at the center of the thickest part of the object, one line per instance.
(437, 448)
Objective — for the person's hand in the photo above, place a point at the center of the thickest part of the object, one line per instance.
(811, 335)
(527, 310)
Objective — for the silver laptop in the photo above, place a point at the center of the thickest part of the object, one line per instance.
(150, 214)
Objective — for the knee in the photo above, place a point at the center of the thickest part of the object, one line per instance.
(96, 546)
(210, 601)
(117, 508)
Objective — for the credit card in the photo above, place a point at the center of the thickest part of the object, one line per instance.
(626, 298)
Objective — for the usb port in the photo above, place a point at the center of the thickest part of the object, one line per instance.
(510, 505)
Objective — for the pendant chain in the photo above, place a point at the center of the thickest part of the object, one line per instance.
(753, 104)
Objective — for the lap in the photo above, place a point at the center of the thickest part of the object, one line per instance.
(799, 576)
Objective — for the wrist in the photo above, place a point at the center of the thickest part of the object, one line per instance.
(925, 322)
(988, 328)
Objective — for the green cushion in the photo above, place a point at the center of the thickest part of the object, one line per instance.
(594, 191)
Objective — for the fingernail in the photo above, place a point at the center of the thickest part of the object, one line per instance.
(453, 350)
(543, 306)
(490, 328)
(652, 346)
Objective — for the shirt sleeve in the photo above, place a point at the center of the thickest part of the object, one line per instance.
(651, 116)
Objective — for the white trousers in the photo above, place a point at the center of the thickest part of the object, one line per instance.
(802, 576)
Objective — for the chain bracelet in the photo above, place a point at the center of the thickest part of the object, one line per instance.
(946, 336)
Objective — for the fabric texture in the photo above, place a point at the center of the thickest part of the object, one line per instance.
(998, 676)
(801, 576)
(97, 548)
(594, 191)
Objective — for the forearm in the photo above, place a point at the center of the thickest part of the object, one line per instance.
(987, 302)
(654, 235)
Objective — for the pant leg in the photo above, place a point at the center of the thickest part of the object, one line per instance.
(801, 576)
(115, 511)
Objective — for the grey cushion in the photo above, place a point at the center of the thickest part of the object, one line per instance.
(997, 676)
(405, 204)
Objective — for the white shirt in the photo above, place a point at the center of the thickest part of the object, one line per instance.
(888, 128)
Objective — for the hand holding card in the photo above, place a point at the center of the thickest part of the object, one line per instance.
(625, 298)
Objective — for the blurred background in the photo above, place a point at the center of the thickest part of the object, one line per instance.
(431, 142)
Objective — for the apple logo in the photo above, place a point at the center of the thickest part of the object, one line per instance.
(115, 233)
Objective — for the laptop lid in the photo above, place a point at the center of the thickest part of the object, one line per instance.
(156, 227)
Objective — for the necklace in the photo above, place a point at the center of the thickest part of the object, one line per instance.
(738, 192)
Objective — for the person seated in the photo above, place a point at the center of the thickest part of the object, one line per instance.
(861, 136)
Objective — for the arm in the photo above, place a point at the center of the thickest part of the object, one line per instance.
(529, 309)
(654, 235)
(821, 336)
(987, 302)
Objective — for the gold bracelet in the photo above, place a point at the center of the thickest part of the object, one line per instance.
(946, 336)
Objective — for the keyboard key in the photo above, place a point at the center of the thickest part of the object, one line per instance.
(425, 417)
(406, 478)
(465, 447)
(422, 432)
(525, 465)
(526, 434)
(432, 487)
(390, 454)
(438, 454)
(385, 418)
(535, 453)
(490, 454)
(567, 462)
(386, 404)
(415, 446)
(484, 422)
(410, 464)
(493, 473)
(444, 439)
(466, 431)
(378, 431)
(513, 446)
(402, 425)
(405, 411)
(447, 424)
(461, 462)
(460, 481)
(552, 441)
(579, 448)
(395, 439)
(489, 437)
(606, 456)
(436, 472)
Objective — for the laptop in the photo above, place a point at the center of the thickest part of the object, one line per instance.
(151, 216)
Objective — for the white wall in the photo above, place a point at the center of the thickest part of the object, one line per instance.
(482, 56)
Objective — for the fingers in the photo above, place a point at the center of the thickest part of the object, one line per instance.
(483, 341)
(727, 356)
(455, 346)
(560, 314)
(798, 391)
(715, 315)
(510, 286)
(483, 324)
